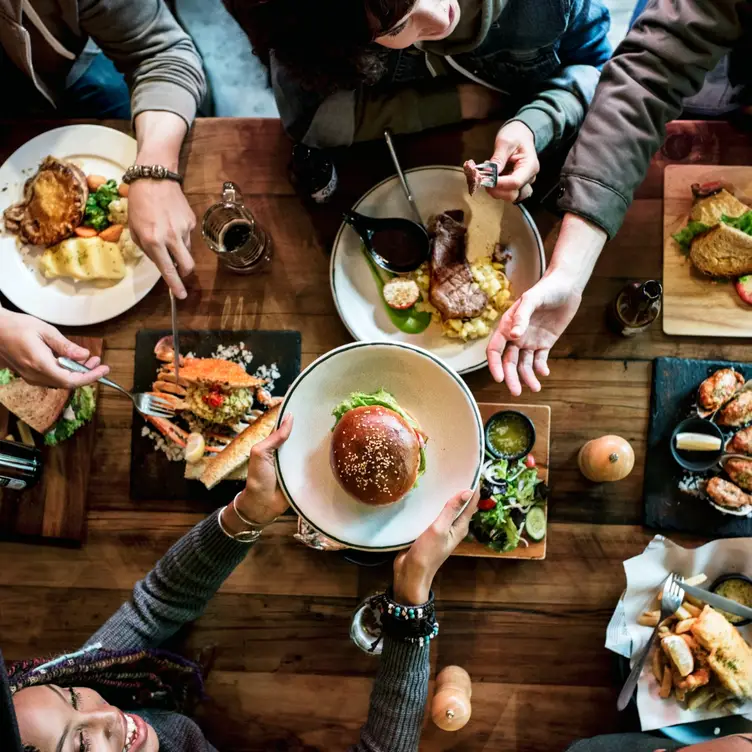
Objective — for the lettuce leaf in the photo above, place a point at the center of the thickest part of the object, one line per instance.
(685, 237)
(743, 223)
(83, 404)
(6, 376)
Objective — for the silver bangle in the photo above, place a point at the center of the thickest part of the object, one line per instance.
(251, 524)
(247, 536)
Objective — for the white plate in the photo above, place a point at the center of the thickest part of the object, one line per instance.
(98, 151)
(423, 385)
(436, 189)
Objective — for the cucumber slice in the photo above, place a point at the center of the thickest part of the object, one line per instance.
(535, 523)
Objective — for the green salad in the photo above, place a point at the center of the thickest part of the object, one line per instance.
(512, 504)
(96, 214)
(686, 235)
(79, 410)
(6, 376)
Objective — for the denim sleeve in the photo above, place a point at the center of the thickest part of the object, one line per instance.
(559, 108)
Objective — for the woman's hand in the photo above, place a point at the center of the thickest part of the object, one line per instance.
(30, 348)
(514, 152)
(262, 501)
(415, 568)
(159, 217)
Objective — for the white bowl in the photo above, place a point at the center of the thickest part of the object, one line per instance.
(431, 391)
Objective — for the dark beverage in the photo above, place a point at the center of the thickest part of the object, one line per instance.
(313, 174)
(236, 235)
(20, 466)
(636, 307)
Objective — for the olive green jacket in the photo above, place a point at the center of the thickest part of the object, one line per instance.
(663, 60)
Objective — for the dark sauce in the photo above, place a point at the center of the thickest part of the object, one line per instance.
(400, 249)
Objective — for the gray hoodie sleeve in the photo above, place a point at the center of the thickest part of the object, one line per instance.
(148, 46)
(663, 60)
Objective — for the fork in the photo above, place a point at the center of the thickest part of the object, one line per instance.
(671, 598)
(146, 404)
(489, 172)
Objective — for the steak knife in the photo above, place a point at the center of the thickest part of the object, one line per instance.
(717, 601)
(175, 337)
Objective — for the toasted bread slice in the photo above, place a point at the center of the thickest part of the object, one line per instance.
(710, 210)
(722, 251)
(194, 471)
(37, 406)
(212, 372)
(53, 205)
(238, 450)
(729, 655)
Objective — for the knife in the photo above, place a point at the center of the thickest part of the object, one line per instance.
(717, 601)
(401, 175)
(175, 337)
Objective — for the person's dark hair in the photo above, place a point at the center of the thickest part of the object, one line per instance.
(326, 44)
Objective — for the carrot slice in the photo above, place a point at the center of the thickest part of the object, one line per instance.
(112, 233)
(123, 189)
(85, 232)
(95, 181)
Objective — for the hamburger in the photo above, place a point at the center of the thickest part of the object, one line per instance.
(377, 452)
(55, 413)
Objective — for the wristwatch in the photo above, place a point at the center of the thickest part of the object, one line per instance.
(152, 172)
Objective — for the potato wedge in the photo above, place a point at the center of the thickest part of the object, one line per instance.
(649, 618)
(691, 608)
(685, 625)
(666, 684)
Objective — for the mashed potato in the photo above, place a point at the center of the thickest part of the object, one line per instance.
(491, 279)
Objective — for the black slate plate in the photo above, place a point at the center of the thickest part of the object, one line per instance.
(675, 383)
(153, 476)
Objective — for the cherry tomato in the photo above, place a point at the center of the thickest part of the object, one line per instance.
(485, 504)
(214, 399)
(530, 461)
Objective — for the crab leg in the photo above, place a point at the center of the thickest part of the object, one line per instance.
(169, 429)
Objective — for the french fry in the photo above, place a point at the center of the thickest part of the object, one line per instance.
(680, 694)
(694, 610)
(716, 702)
(663, 630)
(691, 644)
(699, 698)
(698, 579)
(685, 625)
(658, 664)
(666, 684)
(649, 618)
(682, 614)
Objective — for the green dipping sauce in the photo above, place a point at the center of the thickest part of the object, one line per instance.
(735, 590)
(509, 435)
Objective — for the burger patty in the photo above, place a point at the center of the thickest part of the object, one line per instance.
(375, 455)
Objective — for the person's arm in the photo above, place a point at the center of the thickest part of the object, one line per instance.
(399, 695)
(183, 581)
(30, 348)
(663, 59)
(167, 82)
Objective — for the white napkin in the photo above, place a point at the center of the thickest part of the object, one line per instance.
(645, 576)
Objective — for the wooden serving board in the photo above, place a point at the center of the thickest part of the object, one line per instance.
(694, 304)
(675, 383)
(55, 509)
(541, 417)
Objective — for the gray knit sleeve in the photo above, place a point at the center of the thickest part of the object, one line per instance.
(176, 591)
(398, 700)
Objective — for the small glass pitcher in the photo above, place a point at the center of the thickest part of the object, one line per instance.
(231, 231)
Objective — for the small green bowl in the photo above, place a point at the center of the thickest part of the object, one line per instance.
(529, 428)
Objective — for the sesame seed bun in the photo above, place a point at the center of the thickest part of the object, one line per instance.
(375, 455)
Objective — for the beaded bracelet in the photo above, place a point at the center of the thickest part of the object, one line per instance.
(413, 624)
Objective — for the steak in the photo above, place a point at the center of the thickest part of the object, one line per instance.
(453, 291)
(53, 205)
(473, 176)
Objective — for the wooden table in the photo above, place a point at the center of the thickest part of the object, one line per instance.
(286, 675)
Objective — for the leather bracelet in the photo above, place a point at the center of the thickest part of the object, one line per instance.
(150, 172)
(246, 536)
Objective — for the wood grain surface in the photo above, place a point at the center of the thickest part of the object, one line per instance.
(541, 417)
(55, 509)
(286, 675)
(694, 303)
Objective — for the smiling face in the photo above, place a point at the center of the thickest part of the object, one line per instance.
(427, 21)
(64, 719)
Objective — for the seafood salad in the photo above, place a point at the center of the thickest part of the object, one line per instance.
(215, 401)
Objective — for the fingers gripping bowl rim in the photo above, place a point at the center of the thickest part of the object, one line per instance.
(430, 391)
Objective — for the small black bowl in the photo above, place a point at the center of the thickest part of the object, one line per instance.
(697, 461)
(733, 576)
(529, 427)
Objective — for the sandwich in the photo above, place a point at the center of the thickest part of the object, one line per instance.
(55, 413)
(718, 237)
(377, 452)
(728, 654)
(232, 462)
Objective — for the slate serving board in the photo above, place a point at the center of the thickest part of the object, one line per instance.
(675, 383)
(155, 477)
(54, 510)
